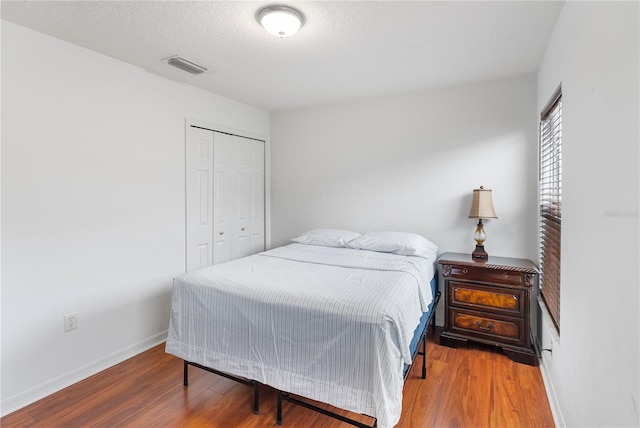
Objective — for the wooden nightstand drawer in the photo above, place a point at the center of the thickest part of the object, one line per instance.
(478, 297)
(496, 276)
(487, 327)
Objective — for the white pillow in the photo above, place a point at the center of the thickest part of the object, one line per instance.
(326, 237)
(403, 243)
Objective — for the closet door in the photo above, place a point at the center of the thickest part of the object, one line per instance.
(238, 197)
(225, 197)
(257, 219)
(250, 205)
(199, 192)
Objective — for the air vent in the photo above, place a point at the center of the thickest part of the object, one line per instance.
(185, 65)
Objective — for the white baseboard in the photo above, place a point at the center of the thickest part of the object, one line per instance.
(550, 330)
(551, 395)
(44, 389)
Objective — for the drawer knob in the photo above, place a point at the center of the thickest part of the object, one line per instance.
(482, 327)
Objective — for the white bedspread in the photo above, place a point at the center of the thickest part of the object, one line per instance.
(330, 324)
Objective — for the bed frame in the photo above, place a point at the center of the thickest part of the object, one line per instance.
(431, 322)
(285, 396)
(248, 382)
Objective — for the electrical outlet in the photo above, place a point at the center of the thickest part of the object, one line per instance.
(70, 321)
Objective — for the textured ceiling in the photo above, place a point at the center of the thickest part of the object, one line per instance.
(346, 50)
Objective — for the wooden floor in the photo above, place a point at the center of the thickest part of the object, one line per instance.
(476, 386)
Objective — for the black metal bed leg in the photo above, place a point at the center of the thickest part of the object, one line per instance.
(279, 409)
(424, 357)
(185, 380)
(256, 399)
(433, 319)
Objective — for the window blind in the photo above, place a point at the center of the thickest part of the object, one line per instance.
(551, 204)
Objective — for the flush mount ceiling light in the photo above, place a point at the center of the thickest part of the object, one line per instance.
(281, 21)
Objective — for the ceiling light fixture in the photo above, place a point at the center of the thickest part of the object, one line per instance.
(281, 21)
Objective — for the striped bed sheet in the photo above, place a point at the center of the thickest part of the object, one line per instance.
(330, 324)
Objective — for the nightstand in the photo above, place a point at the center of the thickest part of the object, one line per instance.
(491, 302)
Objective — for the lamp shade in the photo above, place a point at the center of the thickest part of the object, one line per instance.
(482, 205)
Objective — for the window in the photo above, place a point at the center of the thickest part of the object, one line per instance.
(550, 204)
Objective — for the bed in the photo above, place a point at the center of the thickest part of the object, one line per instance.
(332, 320)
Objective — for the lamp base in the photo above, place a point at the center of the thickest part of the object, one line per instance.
(479, 253)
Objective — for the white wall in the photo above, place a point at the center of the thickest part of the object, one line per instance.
(593, 369)
(410, 163)
(92, 207)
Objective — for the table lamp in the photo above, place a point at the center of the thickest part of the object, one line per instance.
(481, 207)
